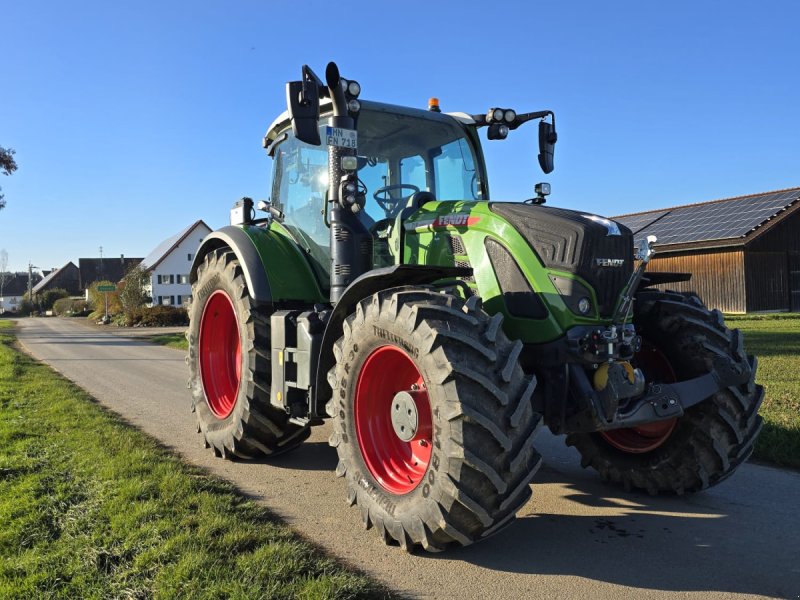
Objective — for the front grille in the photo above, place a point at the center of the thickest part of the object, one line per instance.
(608, 282)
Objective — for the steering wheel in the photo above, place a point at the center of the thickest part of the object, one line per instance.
(388, 202)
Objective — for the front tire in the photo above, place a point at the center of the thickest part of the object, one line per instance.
(433, 422)
(229, 364)
(706, 444)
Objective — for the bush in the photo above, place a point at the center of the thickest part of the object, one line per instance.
(62, 306)
(50, 297)
(72, 307)
(158, 316)
(133, 294)
(25, 307)
(97, 300)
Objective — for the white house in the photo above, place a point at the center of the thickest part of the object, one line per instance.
(169, 265)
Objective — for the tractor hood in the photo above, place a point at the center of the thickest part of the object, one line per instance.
(595, 248)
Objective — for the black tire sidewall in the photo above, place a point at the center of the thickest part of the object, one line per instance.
(217, 277)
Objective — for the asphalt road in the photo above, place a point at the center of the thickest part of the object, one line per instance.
(576, 538)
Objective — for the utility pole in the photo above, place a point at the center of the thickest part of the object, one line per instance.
(31, 267)
(101, 263)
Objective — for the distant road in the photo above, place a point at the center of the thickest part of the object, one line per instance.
(577, 538)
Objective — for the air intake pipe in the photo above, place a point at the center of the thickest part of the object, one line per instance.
(351, 242)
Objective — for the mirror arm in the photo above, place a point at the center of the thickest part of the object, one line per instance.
(480, 120)
(539, 114)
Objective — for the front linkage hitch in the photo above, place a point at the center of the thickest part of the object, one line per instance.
(605, 409)
(620, 402)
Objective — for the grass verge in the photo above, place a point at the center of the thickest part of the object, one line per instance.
(91, 507)
(775, 340)
(173, 340)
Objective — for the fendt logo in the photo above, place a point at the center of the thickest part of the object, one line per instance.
(456, 220)
(609, 262)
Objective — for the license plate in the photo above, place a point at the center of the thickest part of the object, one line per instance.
(344, 138)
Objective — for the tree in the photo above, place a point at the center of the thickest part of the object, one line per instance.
(134, 289)
(7, 166)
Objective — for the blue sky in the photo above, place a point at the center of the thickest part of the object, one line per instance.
(130, 120)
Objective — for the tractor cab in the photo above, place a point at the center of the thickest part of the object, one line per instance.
(405, 158)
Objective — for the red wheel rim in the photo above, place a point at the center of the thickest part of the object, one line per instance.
(397, 465)
(638, 440)
(220, 354)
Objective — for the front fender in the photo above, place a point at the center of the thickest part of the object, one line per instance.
(242, 245)
(275, 268)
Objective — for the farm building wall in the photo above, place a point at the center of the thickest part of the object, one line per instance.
(718, 276)
(767, 281)
(772, 266)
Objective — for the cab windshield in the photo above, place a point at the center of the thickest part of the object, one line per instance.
(398, 155)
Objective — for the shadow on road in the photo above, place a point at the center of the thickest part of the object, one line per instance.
(87, 339)
(599, 532)
(630, 539)
(311, 456)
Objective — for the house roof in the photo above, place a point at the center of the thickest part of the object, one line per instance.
(729, 221)
(16, 284)
(52, 276)
(163, 250)
(104, 269)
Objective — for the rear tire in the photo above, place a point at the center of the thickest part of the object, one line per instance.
(229, 364)
(712, 438)
(467, 472)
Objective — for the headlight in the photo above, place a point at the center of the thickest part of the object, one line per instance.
(497, 114)
(510, 115)
(575, 295)
(353, 88)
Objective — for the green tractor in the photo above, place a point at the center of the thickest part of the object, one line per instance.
(438, 330)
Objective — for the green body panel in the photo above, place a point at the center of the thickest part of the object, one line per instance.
(425, 241)
(290, 275)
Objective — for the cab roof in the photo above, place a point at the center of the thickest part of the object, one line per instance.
(283, 121)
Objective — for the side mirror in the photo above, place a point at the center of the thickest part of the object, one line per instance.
(547, 142)
(302, 100)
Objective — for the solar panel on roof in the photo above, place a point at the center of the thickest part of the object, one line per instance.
(733, 218)
(640, 221)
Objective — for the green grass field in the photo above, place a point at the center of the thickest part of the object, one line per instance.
(173, 340)
(92, 508)
(775, 340)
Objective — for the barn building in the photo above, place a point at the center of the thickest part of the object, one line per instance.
(66, 278)
(111, 269)
(743, 252)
